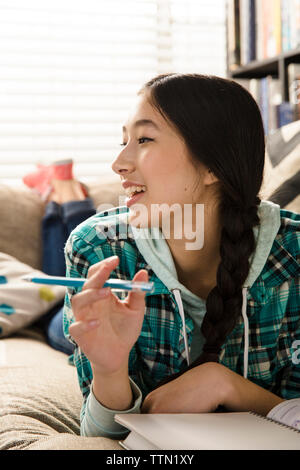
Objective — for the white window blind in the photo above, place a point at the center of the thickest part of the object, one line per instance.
(69, 70)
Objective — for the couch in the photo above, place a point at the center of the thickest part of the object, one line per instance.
(40, 399)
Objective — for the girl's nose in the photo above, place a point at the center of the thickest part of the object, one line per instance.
(122, 164)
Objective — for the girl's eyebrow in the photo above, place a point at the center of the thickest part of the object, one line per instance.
(143, 122)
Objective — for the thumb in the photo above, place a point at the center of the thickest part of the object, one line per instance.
(136, 299)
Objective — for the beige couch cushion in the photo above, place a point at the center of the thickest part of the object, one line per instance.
(40, 400)
(21, 212)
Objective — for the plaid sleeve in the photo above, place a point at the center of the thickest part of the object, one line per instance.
(289, 337)
(77, 265)
(84, 248)
(290, 376)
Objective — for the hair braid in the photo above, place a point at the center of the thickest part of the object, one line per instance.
(224, 302)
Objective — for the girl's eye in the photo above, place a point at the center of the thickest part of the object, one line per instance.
(143, 140)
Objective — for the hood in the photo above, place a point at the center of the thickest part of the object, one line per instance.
(155, 250)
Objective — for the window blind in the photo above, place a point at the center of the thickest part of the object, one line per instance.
(70, 69)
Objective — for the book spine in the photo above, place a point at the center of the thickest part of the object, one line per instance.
(285, 25)
(254, 89)
(237, 31)
(295, 23)
(277, 26)
(292, 23)
(285, 113)
(252, 30)
(259, 32)
(271, 41)
(270, 12)
(233, 34)
(274, 99)
(264, 103)
(265, 19)
(244, 22)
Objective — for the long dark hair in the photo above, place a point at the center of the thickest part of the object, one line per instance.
(222, 128)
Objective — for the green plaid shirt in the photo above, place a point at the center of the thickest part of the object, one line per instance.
(273, 309)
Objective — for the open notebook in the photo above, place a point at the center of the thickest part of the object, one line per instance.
(207, 431)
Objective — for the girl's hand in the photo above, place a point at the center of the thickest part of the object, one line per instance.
(106, 327)
(199, 390)
(206, 387)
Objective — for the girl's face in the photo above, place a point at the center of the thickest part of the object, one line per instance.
(156, 157)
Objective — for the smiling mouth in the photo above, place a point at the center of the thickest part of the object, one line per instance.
(133, 190)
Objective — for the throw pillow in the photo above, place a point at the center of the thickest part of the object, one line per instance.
(22, 302)
(21, 212)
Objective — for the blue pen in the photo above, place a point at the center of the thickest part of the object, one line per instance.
(114, 284)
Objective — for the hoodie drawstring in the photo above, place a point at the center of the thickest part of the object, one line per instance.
(246, 331)
(177, 296)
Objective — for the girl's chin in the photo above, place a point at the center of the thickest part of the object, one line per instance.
(136, 219)
(139, 215)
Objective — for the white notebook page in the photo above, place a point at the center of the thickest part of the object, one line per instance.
(211, 431)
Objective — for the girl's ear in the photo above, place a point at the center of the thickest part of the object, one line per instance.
(209, 178)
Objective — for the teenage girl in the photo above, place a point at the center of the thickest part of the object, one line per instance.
(222, 327)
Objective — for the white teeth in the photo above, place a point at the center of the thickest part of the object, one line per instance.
(133, 189)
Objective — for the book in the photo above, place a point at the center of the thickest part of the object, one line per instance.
(259, 30)
(285, 25)
(264, 102)
(293, 72)
(207, 431)
(267, 29)
(244, 13)
(277, 26)
(274, 100)
(252, 31)
(295, 23)
(286, 113)
(247, 19)
(268, 94)
(233, 34)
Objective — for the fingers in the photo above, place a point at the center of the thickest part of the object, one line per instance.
(92, 290)
(79, 328)
(85, 299)
(136, 299)
(99, 272)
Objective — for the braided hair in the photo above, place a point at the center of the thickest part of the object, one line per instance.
(222, 127)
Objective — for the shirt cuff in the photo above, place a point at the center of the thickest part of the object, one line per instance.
(99, 420)
(287, 412)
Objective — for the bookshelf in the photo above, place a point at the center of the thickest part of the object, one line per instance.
(263, 54)
(276, 66)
